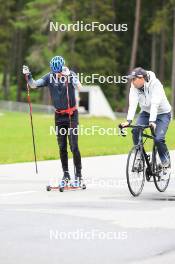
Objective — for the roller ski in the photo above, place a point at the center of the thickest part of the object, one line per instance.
(66, 184)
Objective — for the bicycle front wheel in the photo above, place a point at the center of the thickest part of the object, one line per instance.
(135, 171)
(162, 175)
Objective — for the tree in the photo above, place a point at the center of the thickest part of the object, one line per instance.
(160, 29)
(94, 51)
(135, 36)
(153, 52)
(6, 44)
(134, 44)
(44, 44)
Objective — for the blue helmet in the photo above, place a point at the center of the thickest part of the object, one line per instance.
(56, 64)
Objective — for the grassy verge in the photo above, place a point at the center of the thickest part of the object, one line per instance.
(16, 140)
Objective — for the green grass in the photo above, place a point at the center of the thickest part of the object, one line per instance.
(16, 140)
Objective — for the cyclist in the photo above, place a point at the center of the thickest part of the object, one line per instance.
(148, 91)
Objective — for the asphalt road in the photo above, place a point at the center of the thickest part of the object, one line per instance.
(102, 224)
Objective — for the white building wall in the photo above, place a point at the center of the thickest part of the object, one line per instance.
(98, 104)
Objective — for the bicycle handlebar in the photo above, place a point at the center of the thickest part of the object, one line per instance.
(135, 126)
(139, 126)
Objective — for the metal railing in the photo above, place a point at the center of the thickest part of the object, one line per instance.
(12, 106)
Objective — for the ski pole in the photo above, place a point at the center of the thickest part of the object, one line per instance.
(31, 121)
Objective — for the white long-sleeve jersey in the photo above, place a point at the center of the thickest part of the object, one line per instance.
(152, 100)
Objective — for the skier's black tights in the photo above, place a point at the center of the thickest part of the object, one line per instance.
(63, 130)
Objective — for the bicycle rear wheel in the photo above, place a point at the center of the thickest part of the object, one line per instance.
(135, 171)
(162, 176)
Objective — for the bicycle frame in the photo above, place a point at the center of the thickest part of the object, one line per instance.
(140, 146)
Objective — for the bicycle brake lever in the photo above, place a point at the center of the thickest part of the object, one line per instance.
(122, 131)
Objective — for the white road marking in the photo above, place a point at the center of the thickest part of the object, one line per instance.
(16, 193)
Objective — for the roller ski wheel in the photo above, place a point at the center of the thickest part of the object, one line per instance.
(61, 189)
(48, 188)
(83, 186)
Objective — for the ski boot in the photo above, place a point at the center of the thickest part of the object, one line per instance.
(78, 181)
(65, 181)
